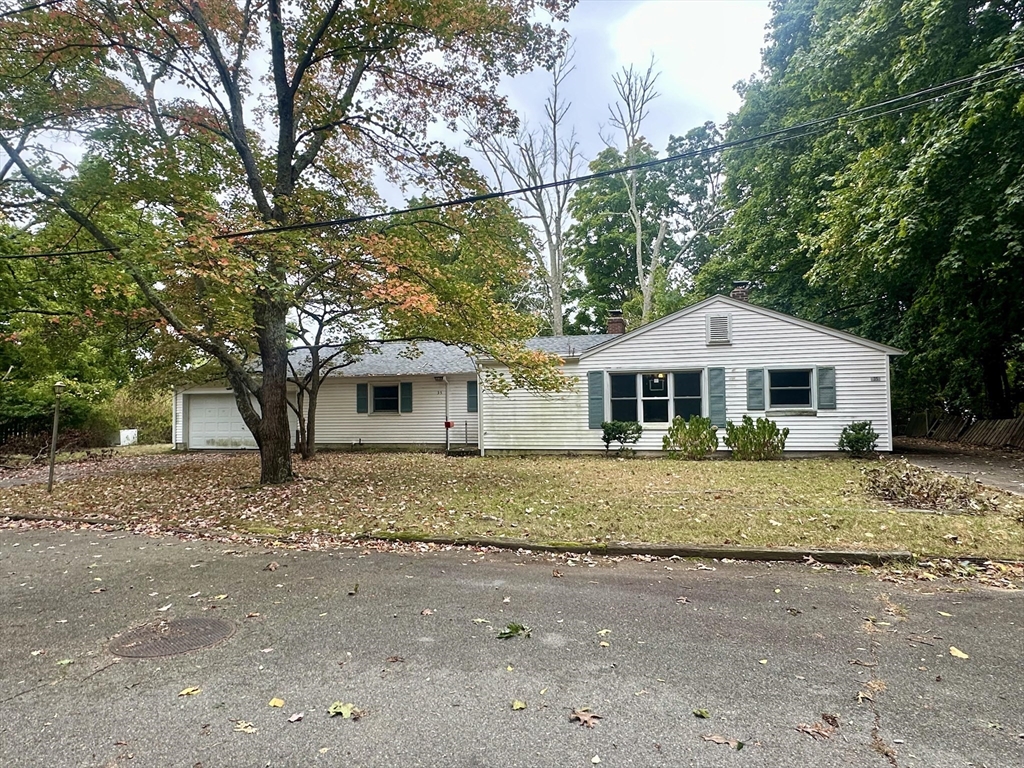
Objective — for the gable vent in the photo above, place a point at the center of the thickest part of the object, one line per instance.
(719, 328)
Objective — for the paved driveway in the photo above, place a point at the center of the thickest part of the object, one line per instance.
(764, 649)
(992, 467)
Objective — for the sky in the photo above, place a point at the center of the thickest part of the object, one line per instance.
(701, 47)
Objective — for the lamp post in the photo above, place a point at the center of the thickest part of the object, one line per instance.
(58, 387)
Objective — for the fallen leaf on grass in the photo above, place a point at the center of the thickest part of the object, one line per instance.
(347, 711)
(517, 705)
(512, 629)
(296, 717)
(954, 651)
(718, 739)
(190, 691)
(245, 727)
(584, 717)
(275, 702)
(701, 713)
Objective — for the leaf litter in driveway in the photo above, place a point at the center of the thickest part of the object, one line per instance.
(512, 630)
(276, 702)
(719, 739)
(296, 717)
(584, 716)
(245, 727)
(818, 731)
(517, 705)
(190, 691)
(347, 711)
(954, 651)
(701, 713)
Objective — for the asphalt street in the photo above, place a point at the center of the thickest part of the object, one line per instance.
(804, 666)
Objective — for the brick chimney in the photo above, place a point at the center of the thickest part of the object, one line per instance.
(740, 290)
(616, 322)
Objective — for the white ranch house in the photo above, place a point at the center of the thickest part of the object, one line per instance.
(722, 358)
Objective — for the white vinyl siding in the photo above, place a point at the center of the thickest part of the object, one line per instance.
(338, 423)
(524, 421)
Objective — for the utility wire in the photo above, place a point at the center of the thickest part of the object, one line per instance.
(801, 130)
(776, 134)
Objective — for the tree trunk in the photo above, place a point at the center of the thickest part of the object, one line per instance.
(273, 435)
(997, 400)
(309, 450)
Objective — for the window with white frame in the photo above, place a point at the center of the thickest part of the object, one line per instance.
(385, 398)
(790, 388)
(656, 398)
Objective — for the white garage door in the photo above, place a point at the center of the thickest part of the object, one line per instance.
(214, 422)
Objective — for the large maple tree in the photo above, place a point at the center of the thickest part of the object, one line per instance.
(153, 128)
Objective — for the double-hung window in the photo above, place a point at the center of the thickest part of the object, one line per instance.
(656, 398)
(687, 394)
(624, 407)
(385, 398)
(790, 388)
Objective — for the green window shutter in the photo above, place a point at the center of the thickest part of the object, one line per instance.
(405, 397)
(362, 398)
(716, 396)
(595, 399)
(826, 389)
(471, 397)
(755, 389)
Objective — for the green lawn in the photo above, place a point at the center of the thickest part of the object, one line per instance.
(818, 503)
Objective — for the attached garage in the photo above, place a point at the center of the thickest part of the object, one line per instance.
(215, 423)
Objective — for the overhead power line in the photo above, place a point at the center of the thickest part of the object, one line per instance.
(809, 128)
(924, 96)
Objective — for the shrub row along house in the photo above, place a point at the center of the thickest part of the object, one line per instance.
(722, 358)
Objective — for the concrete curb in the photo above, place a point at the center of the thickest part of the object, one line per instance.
(620, 549)
(839, 557)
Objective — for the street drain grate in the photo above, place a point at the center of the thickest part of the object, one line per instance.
(169, 638)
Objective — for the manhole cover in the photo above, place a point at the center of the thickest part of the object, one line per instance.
(167, 638)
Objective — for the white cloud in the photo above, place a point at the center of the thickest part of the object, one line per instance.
(701, 47)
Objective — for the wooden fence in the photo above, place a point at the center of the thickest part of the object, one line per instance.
(996, 433)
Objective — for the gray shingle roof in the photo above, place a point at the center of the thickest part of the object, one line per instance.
(567, 346)
(432, 358)
(400, 358)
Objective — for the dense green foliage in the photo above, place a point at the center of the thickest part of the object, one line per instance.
(692, 439)
(755, 440)
(622, 432)
(905, 223)
(858, 438)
